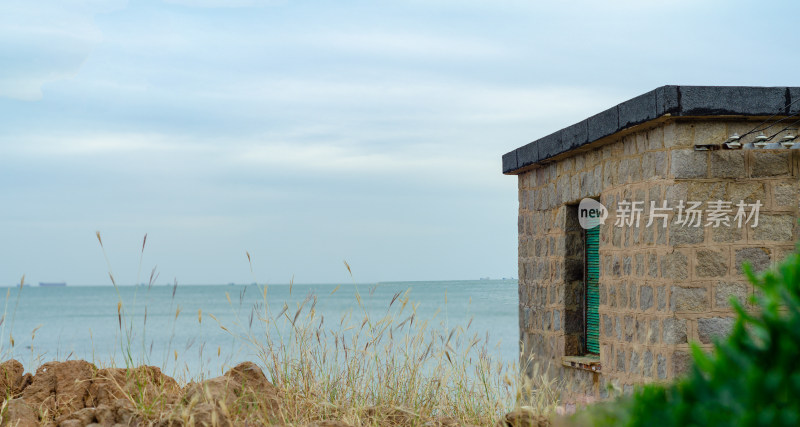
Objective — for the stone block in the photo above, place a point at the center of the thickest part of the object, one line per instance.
(688, 299)
(620, 361)
(727, 164)
(759, 258)
(629, 329)
(525, 318)
(715, 327)
(626, 265)
(660, 164)
(676, 193)
(723, 234)
(576, 135)
(685, 235)
(674, 266)
(527, 155)
(667, 100)
(655, 138)
(688, 164)
(510, 161)
(640, 265)
(641, 331)
(647, 363)
(653, 333)
(674, 331)
(603, 124)
(633, 365)
(775, 228)
(661, 293)
(794, 95)
(710, 132)
(549, 146)
(705, 192)
(637, 110)
(749, 192)
(652, 265)
(603, 295)
(678, 135)
(770, 163)
(608, 327)
(786, 195)
(618, 328)
(661, 367)
(556, 320)
(711, 263)
(724, 291)
(548, 321)
(731, 100)
(681, 363)
(645, 297)
(612, 296)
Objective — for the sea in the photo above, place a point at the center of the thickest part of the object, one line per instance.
(198, 331)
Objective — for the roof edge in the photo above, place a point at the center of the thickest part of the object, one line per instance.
(679, 101)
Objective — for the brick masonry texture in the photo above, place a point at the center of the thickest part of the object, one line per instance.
(662, 286)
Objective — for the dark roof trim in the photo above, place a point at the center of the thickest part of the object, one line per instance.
(673, 100)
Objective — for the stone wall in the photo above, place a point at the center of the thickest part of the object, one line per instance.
(660, 288)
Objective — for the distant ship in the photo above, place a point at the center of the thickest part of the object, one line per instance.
(52, 284)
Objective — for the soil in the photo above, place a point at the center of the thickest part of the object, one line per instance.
(76, 393)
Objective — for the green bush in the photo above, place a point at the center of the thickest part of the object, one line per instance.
(752, 378)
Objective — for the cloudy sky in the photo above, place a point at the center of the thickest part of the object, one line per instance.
(310, 132)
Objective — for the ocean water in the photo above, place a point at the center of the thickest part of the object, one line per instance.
(83, 322)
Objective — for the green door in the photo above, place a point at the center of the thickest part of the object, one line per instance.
(592, 260)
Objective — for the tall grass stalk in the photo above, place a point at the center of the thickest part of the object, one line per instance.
(369, 368)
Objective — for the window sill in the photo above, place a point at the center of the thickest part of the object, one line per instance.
(588, 363)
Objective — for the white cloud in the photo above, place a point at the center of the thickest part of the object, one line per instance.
(45, 41)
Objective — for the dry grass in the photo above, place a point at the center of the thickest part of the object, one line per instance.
(361, 369)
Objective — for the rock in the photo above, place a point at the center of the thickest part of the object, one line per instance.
(60, 388)
(105, 415)
(146, 384)
(20, 414)
(208, 415)
(523, 418)
(83, 417)
(244, 385)
(681, 363)
(12, 379)
(713, 328)
(674, 331)
(688, 299)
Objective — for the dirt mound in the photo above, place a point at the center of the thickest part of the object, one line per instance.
(523, 418)
(233, 396)
(76, 393)
(13, 378)
(60, 388)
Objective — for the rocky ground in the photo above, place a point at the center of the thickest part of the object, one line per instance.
(76, 393)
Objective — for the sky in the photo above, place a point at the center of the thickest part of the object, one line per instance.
(307, 133)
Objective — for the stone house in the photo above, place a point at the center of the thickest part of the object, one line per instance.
(620, 302)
